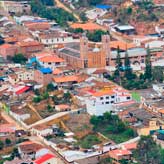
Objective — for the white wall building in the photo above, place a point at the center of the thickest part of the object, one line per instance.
(25, 75)
(104, 101)
(52, 62)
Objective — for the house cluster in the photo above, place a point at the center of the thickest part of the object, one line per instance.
(62, 83)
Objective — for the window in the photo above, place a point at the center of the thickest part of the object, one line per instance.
(112, 97)
(107, 102)
(49, 63)
(128, 98)
(107, 97)
(101, 98)
(112, 102)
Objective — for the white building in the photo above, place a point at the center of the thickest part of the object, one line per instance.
(42, 130)
(25, 75)
(158, 88)
(51, 62)
(103, 101)
(15, 7)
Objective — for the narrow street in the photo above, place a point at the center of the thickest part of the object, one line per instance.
(11, 120)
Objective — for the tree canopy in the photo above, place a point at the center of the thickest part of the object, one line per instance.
(19, 58)
(148, 151)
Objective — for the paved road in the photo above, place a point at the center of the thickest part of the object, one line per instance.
(61, 5)
(11, 120)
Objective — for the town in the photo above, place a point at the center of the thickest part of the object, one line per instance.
(81, 82)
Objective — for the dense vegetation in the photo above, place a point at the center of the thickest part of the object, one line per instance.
(87, 3)
(57, 14)
(148, 151)
(92, 36)
(125, 76)
(112, 127)
(19, 58)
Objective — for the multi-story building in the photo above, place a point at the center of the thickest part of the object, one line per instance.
(51, 62)
(86, 55)
(97, 55)
(25, 75)
(7, 50)
(43, 76)
(29, 47)
(51, 38)
(15, 7)
(99, 102)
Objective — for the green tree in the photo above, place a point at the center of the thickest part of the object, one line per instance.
(94, 120)
(7, 141)
(118, 65)
(45, 95)
(1, 40)
(157, 74)
(19, 58)
(148, 151)
(83, 17)
(37, 99)
(148, 68)
(128, 70)
(15, 153)
(49, 108)
(50, 87)
(67, 97)
(37, 92)
(96, 35)
(1, 145)
(48, 2)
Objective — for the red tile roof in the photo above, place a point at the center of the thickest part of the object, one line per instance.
(44, 158)
(51, 58)
(120, 152)
(63, 79)
(57, 71)
(87, 26)
(5, 46)
(102, 93)
(29, 43)
(7, 128)
(130, 146)
(22, 90)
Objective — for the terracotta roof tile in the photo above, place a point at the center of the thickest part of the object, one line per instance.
(87, 26)
(51, 58)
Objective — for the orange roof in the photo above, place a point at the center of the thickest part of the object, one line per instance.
(161, 111)
(130, 146)
(63, 79)
(102, 93)
(63, 106)
(11, 39)
(121, 45)
(52, 58)
(5, 46)
(87, 26)
(29, 43)
(42, 54)
(119, 152)
(57, 71)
